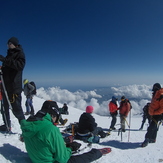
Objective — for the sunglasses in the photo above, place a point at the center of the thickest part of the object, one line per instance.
(9, 43)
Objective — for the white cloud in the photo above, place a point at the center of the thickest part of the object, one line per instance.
(139, 95)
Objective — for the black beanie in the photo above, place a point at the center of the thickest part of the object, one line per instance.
(156, 87)
(14, 41)
(51, 107)
(123, 98)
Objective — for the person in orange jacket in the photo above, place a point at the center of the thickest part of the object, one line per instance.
(113, 108)
(155, 111)
(124, 109)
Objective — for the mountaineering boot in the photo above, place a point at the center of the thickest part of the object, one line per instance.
(108, 133)
(105, 151)
(31, 113)
(103, 134)
(64, 121)
(145, 143)
(26, 113)
(3, 128)
(152, 141)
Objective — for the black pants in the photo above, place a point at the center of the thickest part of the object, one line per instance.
(153, 127)
(144, 119)
(114, 120)
(17, 109)
(90, 156)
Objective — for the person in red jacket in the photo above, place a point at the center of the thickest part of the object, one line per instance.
(124, 109)
(113, 107)
(155, 111)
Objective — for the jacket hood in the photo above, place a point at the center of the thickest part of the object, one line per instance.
(31, 128)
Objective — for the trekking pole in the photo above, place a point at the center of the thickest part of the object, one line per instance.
(120, 130)
(2, 106)
(127, 123)
(4, 116)
(4, 89)
(129, 126)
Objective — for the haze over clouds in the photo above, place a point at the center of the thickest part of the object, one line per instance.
(138, 95)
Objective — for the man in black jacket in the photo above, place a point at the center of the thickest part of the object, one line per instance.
(12, 69)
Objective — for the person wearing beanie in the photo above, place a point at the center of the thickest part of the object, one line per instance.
(124, 109)
(87, 127)
(113, 108)
(44, 142)
(89, 109)
(155, 111)
(12, 70)
(28, 92)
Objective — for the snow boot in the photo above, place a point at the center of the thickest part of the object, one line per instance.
(105, 151)
(64, 121)
(103, 134)
(152, 141)
(145, 143)
(26, 113)
(3, 128)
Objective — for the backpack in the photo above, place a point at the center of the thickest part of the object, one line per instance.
(34, 92)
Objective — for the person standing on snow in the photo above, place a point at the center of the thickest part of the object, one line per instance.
(44, 142)
(113, 108)
(124, 109)
(28, 88)
(155, 111)
(12, 69)
(145, 115)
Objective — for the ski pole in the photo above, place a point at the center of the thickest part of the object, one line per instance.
(126, 122)
(129, 126)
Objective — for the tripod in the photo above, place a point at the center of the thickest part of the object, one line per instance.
(6, 95)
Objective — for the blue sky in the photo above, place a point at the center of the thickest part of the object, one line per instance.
(87, 42)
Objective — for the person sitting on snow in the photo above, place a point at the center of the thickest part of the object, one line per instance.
(44, 142)
(64, 109)
(87, 127)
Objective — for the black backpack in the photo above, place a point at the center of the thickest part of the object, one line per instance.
(34, 91)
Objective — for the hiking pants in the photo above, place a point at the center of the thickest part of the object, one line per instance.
(88, 157)
(29, 105)
(122, 120)
(153, 127)
(114, 120)
(17, 109)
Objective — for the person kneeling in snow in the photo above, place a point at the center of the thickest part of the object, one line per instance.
(87, 127)
(44, 142)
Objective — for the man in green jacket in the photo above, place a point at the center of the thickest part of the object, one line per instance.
(44, 142)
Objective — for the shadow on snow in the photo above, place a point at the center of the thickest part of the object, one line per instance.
(14, 154)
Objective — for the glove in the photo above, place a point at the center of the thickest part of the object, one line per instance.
(74, 146)
(2, 58)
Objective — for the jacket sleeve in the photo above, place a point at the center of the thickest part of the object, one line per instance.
(159, 108)
(128, 107)
(58, 147)
(16, 62)
(112, 107)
